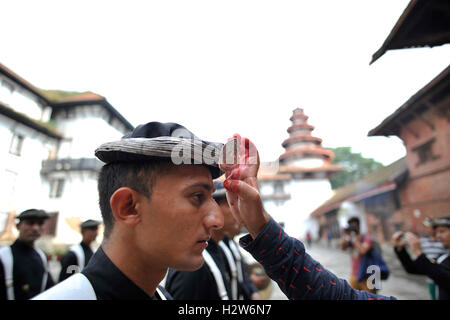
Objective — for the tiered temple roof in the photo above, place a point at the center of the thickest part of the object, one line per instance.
(302, 145)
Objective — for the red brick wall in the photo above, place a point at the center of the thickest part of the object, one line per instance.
(428, 187)
(441, 146)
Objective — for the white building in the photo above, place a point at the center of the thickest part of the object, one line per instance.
(301, 182)
(47, 158)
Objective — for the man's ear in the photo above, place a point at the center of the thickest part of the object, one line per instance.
(123, 206)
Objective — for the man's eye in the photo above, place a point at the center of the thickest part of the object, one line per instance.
(199, 196)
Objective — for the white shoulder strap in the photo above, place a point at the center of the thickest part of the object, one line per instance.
(6, 258)
(79, 252)
(217, 275)
(441, 258)
(238, 258)
(160, 294)
(76, 287)
(46, 269)
(233, 268)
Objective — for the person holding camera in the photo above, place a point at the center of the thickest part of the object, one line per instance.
(436, 269)
(358, 245)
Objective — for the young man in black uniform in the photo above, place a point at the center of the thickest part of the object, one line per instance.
(155, 199)
(23, 267)
(245, 288)
(79, 255)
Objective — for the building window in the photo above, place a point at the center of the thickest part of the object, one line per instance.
(16, 144)
(56, 188)
(425, 152)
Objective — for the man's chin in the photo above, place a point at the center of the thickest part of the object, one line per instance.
(192, 265)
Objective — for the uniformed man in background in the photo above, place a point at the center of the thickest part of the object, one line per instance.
(79, 255)
(24, 267)
(242, 286)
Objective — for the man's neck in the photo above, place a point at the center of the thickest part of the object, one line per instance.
(27, 243)
(146, 277)
(86, 242)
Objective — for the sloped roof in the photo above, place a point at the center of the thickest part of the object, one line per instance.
(307, 150)
(87, 98)
(377, 182)
(58, 96)
(40, 126)
(58, 99)
(422, 23)
(24, 83)
(301, 137)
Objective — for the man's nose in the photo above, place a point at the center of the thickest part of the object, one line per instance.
(214, 219)
(36, 227)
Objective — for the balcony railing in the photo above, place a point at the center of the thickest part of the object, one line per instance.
(64, 165)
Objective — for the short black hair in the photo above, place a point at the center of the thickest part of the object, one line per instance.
(137, 175)
(353, 219)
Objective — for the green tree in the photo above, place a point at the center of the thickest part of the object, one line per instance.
(354, 164)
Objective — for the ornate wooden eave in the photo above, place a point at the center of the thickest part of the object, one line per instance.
(424, 23)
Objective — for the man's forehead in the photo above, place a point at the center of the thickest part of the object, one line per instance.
(191, 174)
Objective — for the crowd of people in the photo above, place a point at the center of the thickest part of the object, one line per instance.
(170, 228)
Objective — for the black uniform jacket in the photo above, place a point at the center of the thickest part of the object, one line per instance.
(28, 271)
(70, 259)
(439, 273)
(199, 284)
(110, 283)
(245, 288)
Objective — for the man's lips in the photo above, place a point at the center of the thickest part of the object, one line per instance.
(204, 240)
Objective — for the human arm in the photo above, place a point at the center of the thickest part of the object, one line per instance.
(343, 242)
(414, 243)
(284, 258)
(403, 255)
(439, 273)
(297, 274)
(362, 246)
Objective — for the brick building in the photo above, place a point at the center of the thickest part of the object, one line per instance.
(401, 195)
(423, 122)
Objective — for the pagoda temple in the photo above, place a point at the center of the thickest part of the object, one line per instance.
(296, 184)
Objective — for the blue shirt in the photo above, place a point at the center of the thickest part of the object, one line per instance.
(297, 274)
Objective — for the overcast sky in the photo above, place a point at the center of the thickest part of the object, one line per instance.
(225, 67)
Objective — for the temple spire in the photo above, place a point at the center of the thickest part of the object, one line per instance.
(303, 151)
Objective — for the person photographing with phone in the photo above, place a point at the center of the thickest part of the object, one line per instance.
(436, 269)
